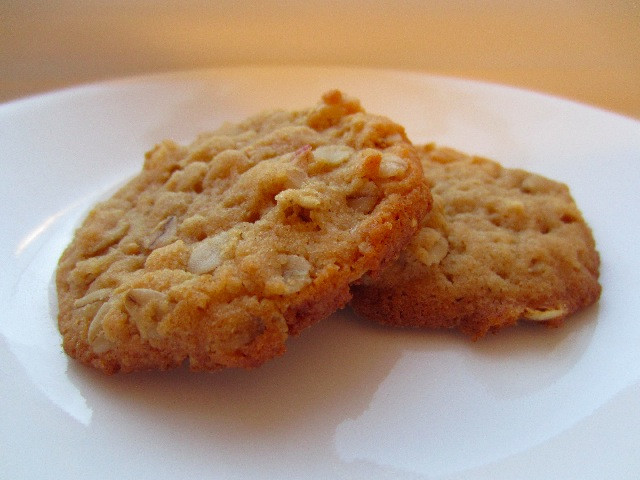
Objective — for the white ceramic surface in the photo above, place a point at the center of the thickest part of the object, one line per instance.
(349, 399)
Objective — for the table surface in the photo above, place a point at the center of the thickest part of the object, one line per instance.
(588, 51)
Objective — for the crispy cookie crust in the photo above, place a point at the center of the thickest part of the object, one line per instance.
(218, 251)
(500, 245)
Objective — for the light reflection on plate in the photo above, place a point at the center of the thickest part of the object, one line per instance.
(349, 399)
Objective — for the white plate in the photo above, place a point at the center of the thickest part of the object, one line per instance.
(349, 399)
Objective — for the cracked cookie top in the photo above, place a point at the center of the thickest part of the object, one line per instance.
(218, 251)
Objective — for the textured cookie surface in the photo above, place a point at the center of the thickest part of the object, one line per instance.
(499, 245)
(218, 251)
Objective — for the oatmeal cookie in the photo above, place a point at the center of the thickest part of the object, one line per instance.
(218, 251)
(499, 245)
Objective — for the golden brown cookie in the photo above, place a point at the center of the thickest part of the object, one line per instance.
(218, 251)
(498, 246)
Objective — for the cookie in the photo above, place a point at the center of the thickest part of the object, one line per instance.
(499, 245)
(217, 252)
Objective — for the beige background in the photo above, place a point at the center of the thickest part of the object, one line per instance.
(587, 51)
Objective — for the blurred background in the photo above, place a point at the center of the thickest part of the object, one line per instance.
(586, 50)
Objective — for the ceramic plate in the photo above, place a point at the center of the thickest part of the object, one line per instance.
(349, 399)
